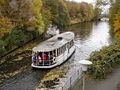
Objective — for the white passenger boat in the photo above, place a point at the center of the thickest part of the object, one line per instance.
(53, 51)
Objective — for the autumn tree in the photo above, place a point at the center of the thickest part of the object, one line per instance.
(116, 25)
(24, 13)
(115, 19)
(5, 26)
(55, 12)
(2, 48)
(97, 9)
(73, 9)
(80, 12)
(86, 11)
(5, 23)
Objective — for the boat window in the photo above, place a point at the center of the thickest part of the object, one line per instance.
(50, 52)
(57, 53)
(71, 43)
(63, 49)
(68, 45)
(60, 50)
(54, 53)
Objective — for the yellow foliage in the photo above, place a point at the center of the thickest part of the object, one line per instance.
(5, 26)
(1, 2)
(37, 4)
(117, 35)
(40, 23)
(116, 23)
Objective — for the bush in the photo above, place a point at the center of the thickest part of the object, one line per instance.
(118, 86)
(104, 61)
(2, 48)
(16, 38)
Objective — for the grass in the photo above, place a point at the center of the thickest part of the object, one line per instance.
(118, 86)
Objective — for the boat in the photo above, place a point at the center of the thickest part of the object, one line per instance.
(54, 51)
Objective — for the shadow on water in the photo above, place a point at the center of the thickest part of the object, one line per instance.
(81, 30)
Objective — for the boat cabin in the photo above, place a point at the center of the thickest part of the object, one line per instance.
(48, 58)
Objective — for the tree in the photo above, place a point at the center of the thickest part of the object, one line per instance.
(57, 13)
(97, 13)
(80, 12)
(97, 9)
(73, 9)
(24, 13)
(2, 48)
(64, 18)
(5, 26)
(115, 19)
(17, 37)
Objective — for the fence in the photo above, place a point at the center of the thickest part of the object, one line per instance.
(69, 79)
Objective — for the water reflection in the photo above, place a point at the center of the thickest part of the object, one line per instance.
(81, 30)
(98, 37)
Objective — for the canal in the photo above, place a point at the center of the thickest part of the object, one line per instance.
(89, 37)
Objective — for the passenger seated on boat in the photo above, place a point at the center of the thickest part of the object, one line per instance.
(38, 59)
(45, 58)
(47, 62)
(34, 57)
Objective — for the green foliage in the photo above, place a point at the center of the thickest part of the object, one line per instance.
(1, 2)
(97, 10)
(55, 12)
(114, 19)
(2, 48)
(104, 61)
(17, 37)
(118, 86)
(47, 17)
(80, 12)
(97, 13)
(64, 18)
(39, 24)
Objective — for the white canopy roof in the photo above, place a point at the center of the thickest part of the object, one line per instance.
(53, 43)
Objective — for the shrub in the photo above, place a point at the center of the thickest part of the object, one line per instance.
(118, 86)
(2, 48)
(104, 61)
(17, 37)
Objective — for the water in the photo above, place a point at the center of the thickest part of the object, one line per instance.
(88, 37)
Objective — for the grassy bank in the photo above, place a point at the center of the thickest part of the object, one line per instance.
(17, 61)
(104, 61)
(118, 86)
